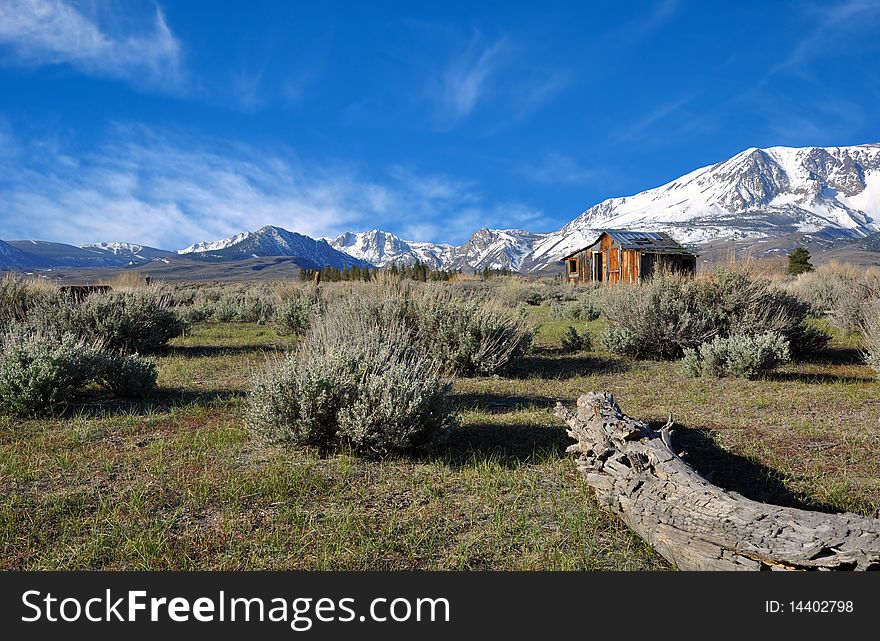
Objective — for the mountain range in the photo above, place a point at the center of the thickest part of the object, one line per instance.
(768, 199)
(274, 241)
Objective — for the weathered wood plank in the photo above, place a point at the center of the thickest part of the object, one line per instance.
(636, 473)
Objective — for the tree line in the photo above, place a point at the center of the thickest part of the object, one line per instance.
(416, 271)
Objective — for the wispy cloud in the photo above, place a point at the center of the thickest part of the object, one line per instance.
(646, 25)
(832, 20)
(501, 74)
(463, 83)
(644, 124)
(828, 120)
(829, 31)
(559, 169)
(169, 190)
(246, 90)
(55, 32)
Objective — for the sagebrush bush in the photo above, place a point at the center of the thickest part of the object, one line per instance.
(671, 313)
(748, 304)
(198, 312)
(658, 319)
(294, 315)
(471, 336)
(255, 309)
(871, 334)
(575, 341)
(39, 372)
(225, 309)
(466, 334)
(139, 321)
(515, 291)
(823, 288)
(16, 298)
(739, 355)
(353, 381)
(856, 306)
(586, 308)
(556, 292)
(842, 292)
(125, 375)
(619, 340)
(243, 307)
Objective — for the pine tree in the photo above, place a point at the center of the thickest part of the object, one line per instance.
(799, 261)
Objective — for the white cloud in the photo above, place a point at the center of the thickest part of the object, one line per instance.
(464, 81)
(501, 74)
(836, 25)
(554, 168)
(170, 190)
(52, 32)
(636, 130)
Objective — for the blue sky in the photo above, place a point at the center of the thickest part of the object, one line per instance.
(171, 122)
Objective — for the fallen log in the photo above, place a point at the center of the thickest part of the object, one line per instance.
(694, 524)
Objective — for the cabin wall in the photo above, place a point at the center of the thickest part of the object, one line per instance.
(628, 266)
(629, 270)
(611, 255)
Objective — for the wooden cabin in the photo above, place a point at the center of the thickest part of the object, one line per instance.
(622, 256)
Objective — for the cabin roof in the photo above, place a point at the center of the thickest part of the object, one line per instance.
(649, 242)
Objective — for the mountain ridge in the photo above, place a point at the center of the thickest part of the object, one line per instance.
(269, 241)
(825, 194)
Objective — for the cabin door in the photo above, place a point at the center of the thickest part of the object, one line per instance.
(598, 268)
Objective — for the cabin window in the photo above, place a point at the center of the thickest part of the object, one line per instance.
(573, 266)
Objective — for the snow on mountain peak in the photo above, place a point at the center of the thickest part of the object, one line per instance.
(116, 248)
(757, 193)
(217, 245)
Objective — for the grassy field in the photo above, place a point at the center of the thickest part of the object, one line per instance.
(176, 481)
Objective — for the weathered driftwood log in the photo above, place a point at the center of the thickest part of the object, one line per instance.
(696, 525)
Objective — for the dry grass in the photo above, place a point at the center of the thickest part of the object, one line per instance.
(127, 280)
(34, 284)
(176, 481)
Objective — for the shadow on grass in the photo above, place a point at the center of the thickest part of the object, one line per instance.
(495, 403)
(509, 445)
(209, 351)
(835, 356)
(736, 473)
(555, 364)
(818, 378)
(95, 403)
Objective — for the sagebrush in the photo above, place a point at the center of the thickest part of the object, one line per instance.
(576, 341)
(294, 314)
(870, 328)
(138, 321)
(352, 381)
(671, 313)
(468, 334)
(739, 355)
(40, 372)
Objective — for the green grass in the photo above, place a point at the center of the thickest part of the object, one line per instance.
(176, 481)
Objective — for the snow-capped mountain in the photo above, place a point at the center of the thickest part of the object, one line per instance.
(831, 192)
(495, 249)
(492, 248)
(759, 193)
(825, 197)
(382, 248)
(39, 254)
(127, 253)
(273, 241)
(215, 246)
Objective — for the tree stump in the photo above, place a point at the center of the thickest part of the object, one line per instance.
(694, 524)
